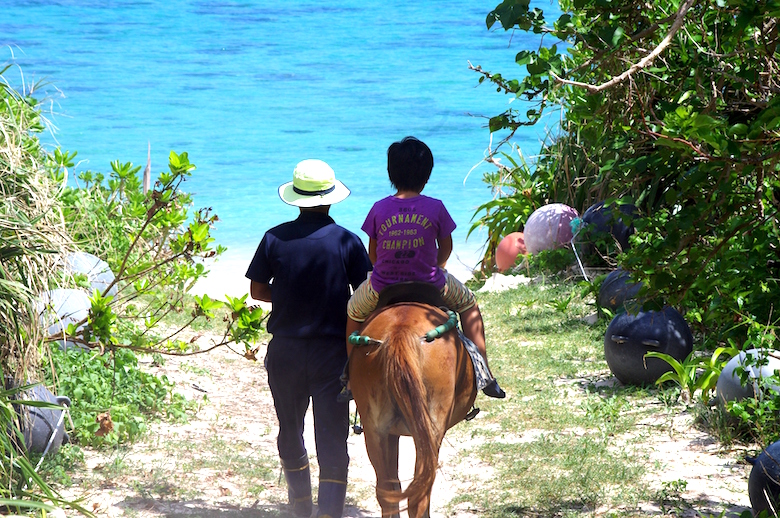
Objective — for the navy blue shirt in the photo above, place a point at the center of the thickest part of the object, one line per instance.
(310, 264)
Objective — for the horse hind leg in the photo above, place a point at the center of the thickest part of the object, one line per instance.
(421, 507)
(384, 457)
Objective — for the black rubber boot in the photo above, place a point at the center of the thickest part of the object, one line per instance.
(493, 390)
(332, 492)
(298, 477)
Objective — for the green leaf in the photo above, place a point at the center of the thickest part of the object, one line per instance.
(685, 96)
(617, 36)
(738, 130)
(704, 121)
(524, 57)
(537, 66)
(207, 303)
(497, 123)
(199, 232)
(26, 504)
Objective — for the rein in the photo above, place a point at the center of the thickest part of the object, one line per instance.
(359, 340)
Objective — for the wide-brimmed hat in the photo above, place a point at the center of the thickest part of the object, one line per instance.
(314, 184)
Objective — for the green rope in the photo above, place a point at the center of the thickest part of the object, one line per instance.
(358, 340)
(451, 322)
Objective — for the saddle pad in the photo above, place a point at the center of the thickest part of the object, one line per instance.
(481, 373)
(422, 292)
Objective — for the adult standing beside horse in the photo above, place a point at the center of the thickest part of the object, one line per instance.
(305, 269)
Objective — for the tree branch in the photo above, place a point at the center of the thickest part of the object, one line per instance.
(679, 18)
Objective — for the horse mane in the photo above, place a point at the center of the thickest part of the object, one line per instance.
(402, 357)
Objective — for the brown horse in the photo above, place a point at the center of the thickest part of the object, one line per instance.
(405, 385)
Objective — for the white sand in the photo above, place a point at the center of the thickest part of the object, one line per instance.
(226, 276)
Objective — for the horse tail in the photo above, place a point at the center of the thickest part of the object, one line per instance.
(403, 360)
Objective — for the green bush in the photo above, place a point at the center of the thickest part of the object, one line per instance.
(690, 137)
(157, 251)
(112, 383)
(30, 234)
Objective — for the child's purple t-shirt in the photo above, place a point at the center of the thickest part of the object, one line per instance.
(405, 231)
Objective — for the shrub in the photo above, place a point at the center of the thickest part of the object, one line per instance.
(639, 123)
(112, 383)
(31, 232)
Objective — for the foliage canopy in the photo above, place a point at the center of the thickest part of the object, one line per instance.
(672, 106)
(156, 250)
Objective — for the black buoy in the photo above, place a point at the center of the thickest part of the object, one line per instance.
(630, 336)
(43, 428)
(617, 289)
(764, 481)
(602, 221)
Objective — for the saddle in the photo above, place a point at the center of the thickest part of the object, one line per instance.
(412, 291)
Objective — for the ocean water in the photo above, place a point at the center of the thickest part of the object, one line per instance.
(249, 88)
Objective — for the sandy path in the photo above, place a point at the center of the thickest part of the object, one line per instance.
(200, 468)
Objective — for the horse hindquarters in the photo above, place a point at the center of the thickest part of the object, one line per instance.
(404, 388)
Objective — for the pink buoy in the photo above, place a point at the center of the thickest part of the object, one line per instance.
(549, 227)
(508, 249)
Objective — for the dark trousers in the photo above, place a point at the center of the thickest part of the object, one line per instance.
(303, 369)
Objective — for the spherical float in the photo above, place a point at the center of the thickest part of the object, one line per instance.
(61, 307)
(43, 429)
(617, 289)
(614, 220)
(97, 271)
(548, 227)
(764, 481)
(756, 364)
(511, 246)
(630, 336)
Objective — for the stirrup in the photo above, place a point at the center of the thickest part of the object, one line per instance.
(356, 427)
(472, 414)
(345, 396)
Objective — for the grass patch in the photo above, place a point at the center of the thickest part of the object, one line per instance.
(567, 440)
(558, 471)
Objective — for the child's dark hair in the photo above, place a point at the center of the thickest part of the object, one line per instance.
(409, 164)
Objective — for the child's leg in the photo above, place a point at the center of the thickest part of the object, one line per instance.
(360, 306)
(461, 299)
(474, 329)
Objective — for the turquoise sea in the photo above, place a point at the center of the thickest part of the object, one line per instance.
(249, 88)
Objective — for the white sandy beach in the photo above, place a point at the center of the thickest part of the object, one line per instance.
(226, 276)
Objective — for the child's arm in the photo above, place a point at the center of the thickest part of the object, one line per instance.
(445, 249)
(372, 250)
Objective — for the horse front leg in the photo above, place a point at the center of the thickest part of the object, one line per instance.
(383, 453)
